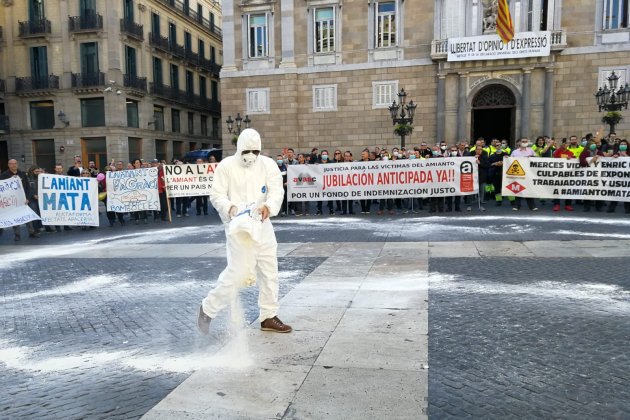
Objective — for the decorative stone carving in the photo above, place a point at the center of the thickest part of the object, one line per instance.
(490, 13)
(493, 96)
(477, 80)
(513, 79)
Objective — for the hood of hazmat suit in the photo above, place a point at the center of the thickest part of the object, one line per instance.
(246, 180)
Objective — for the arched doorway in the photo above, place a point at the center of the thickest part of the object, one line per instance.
(493, 113)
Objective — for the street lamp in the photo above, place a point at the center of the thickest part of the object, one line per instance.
(402, 120)
(239, 122)
(612, 100)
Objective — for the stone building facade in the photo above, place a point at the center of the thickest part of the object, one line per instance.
(322, 73)
(108, 79)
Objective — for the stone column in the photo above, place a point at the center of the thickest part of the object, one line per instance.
(288, 42)
(526, 103)
(461, 106)
(441, 106)
(548, 107)
(229, 52)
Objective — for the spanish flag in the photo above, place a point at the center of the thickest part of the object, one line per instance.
(505, 28)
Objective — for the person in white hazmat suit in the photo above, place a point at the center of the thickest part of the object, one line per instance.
(246, 190)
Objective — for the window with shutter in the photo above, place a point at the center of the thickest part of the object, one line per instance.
(258, 101)
(325, 98)
(384, 93)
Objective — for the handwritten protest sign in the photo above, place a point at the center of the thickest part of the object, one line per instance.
(13, 208)
(383, 179)
(189, 180)
(68, 200)
(609, 179)
(133, 190)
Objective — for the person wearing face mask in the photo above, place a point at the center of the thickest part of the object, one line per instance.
(324, 158)
(524, 151)
(563, 152)
(283, 170)
(246, 192)
(506, 147)
(590, 157)
(365, 157)
(453, 153)
(621, 150)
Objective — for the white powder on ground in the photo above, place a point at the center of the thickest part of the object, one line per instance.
(598, 296)
(81, 286)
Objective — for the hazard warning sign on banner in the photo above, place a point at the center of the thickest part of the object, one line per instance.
(515, 169)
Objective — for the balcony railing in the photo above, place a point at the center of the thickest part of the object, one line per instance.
(210, 66)
(185, 98)
(32, 28)
(439, 47)
(166, 45)
(4, 124)
(135, 82)
(27, 84)
(181, 8)
(81, 80)
(132, 29)
(87, 23)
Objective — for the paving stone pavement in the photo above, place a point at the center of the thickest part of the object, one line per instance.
(86, 338)
(109, 334)
(547, 340)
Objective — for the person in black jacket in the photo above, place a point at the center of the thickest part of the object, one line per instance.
(483, 163)
(11, 172)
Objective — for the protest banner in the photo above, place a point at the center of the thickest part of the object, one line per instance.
(133, 190)
(608, 179)
(490, 47)
(383, 179)
(68, 200)
(189, 180)
(13, 208)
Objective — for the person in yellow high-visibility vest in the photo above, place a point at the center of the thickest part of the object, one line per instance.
(574, 146)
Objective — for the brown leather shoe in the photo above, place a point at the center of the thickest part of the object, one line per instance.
(203, 321)
(274, 324)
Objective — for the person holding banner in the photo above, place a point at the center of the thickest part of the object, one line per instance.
(589, 157)
(621, 150)
(563, 152)
(246, 191)
(526, 152)
(13, 171)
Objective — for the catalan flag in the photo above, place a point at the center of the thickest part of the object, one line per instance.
(505, 27)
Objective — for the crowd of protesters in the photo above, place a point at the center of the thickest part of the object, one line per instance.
(489, 159)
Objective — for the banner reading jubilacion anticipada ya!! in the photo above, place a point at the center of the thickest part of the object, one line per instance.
(440, 177)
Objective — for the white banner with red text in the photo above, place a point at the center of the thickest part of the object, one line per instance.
(607, 179)
(133, 190)
(68, 200)
(189, 180)
(13, 208)
(440, 177)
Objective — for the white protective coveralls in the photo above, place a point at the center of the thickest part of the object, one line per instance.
(239, 185)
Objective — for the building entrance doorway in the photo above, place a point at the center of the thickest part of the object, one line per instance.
(493, 114)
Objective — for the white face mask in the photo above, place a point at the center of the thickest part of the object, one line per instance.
(453, 153)
(384, 158)
(443, 147)
(248, 159)
(524, 144)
